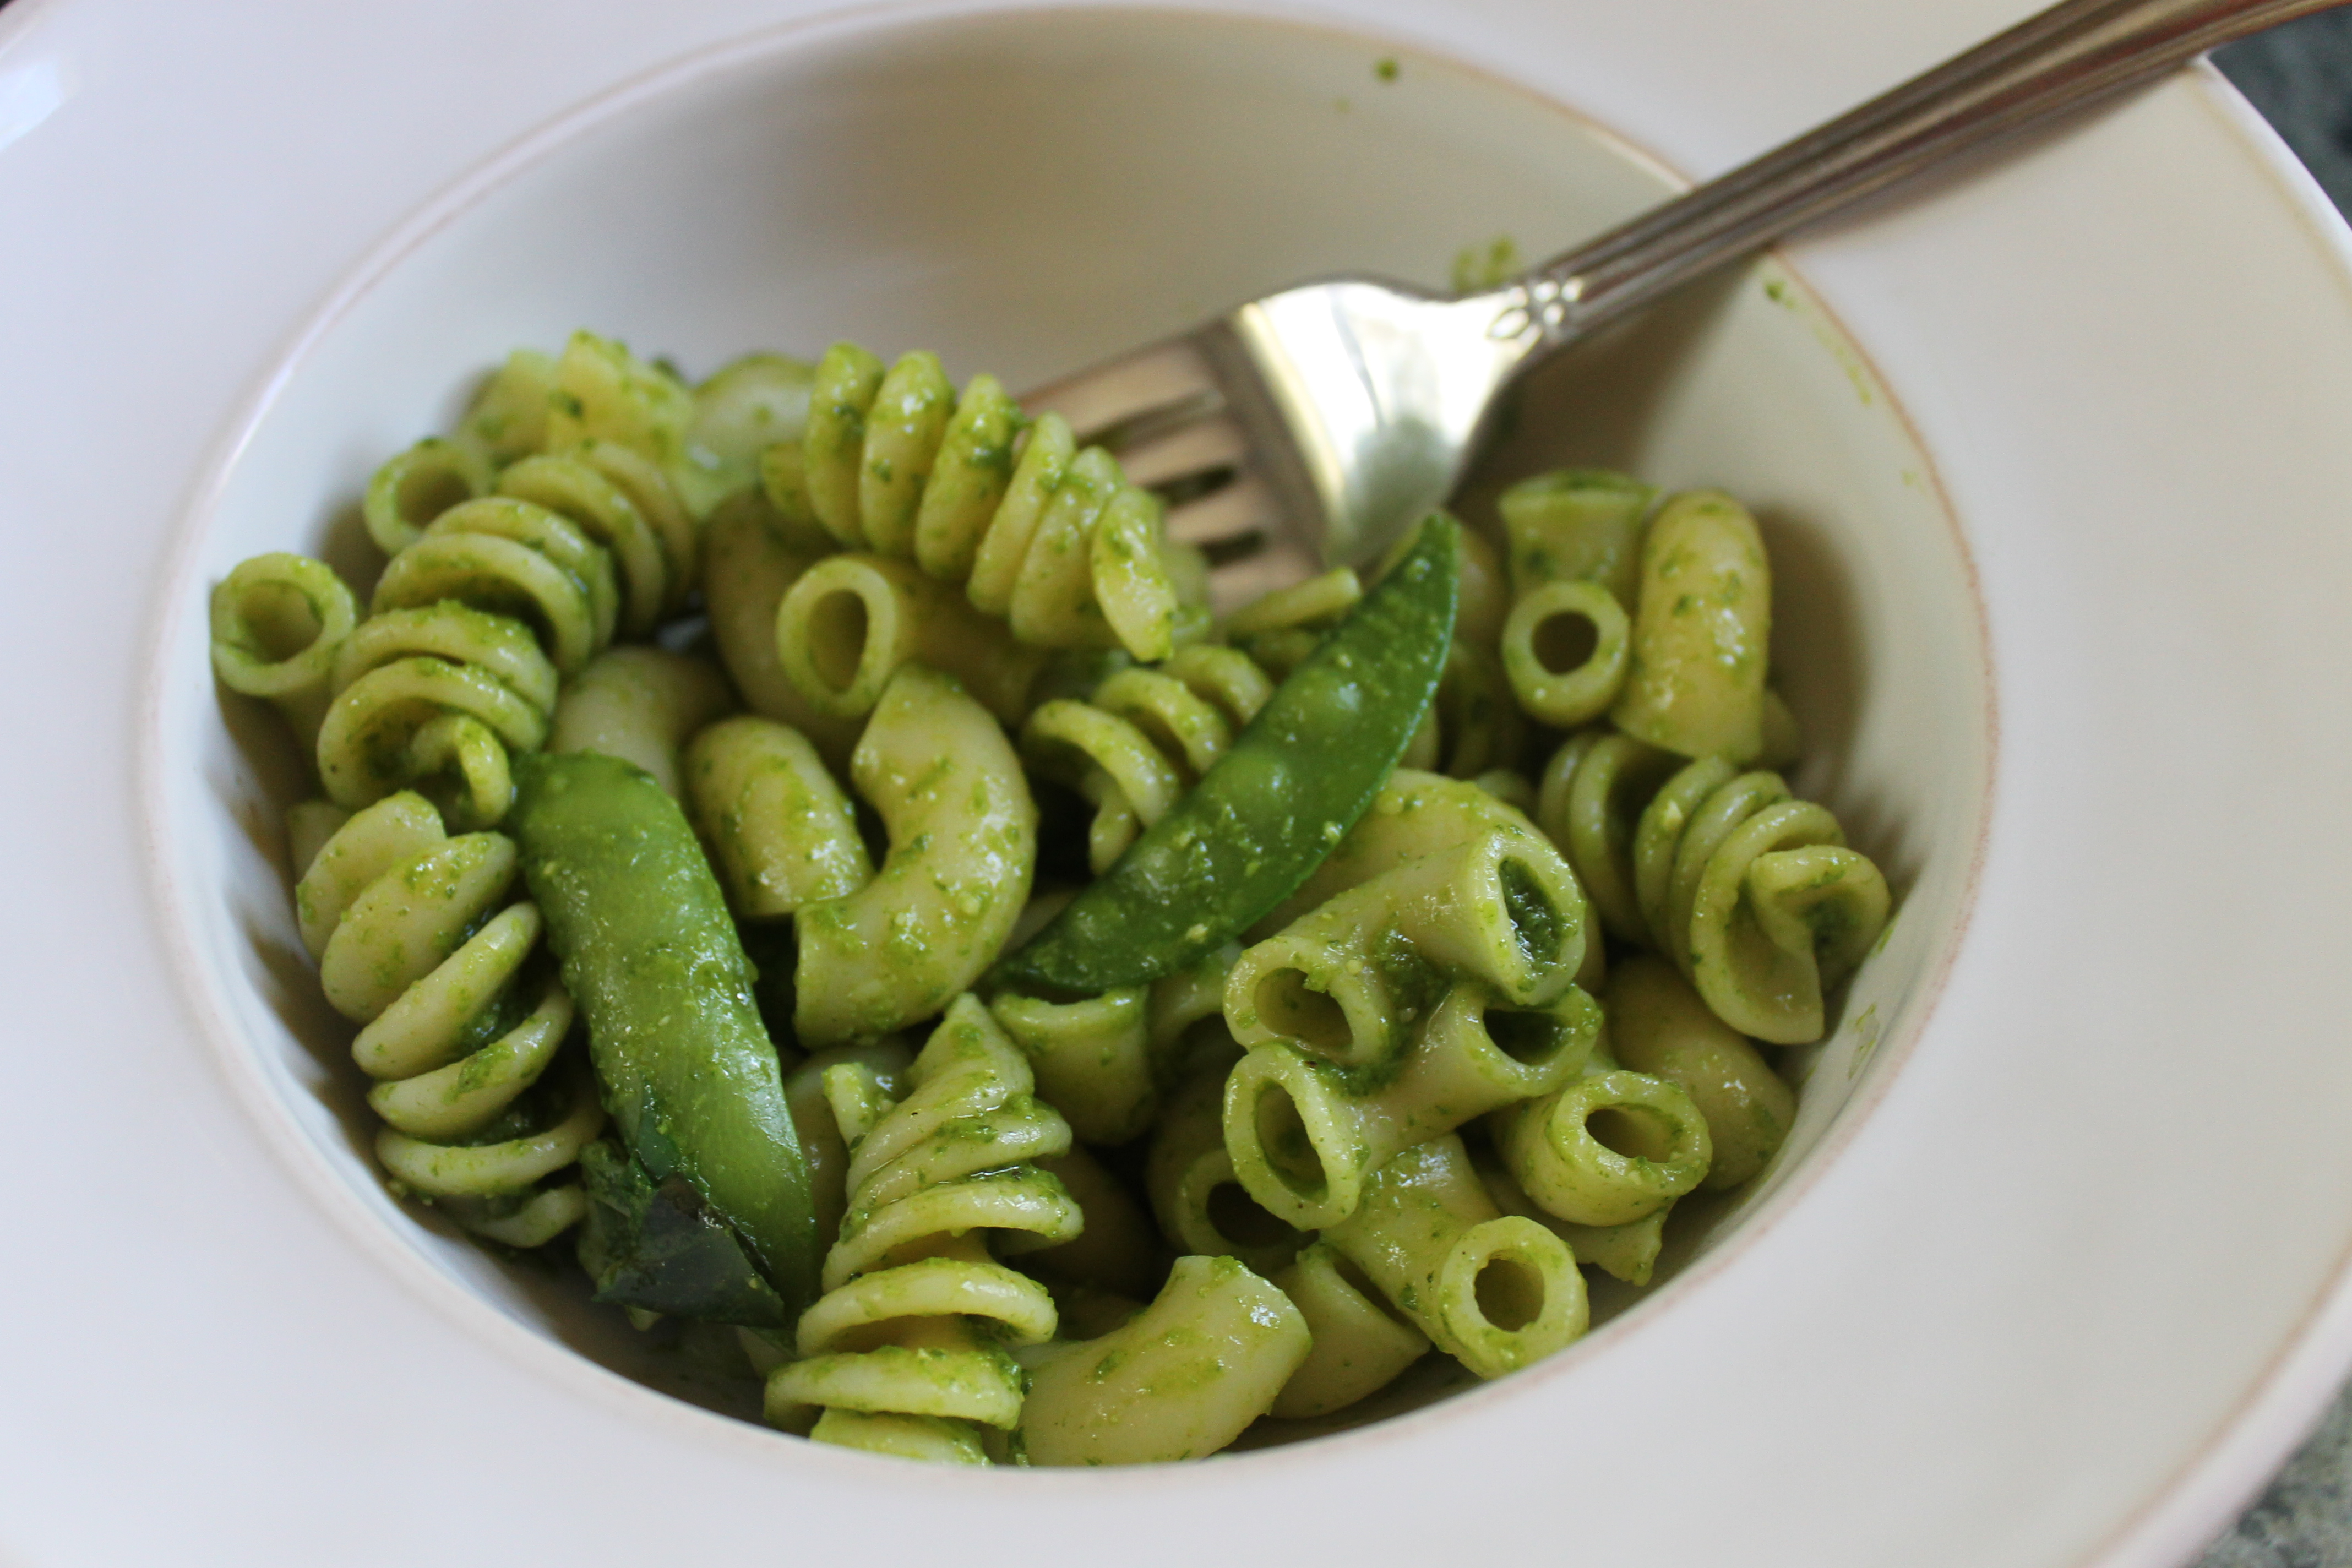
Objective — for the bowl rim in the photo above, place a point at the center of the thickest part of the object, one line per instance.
(2221, 1473)
(740, 57)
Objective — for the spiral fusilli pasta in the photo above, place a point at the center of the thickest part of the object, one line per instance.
(1049, 538)
(435, 698)
(420, 940)
(1144, 737)
(904, 1352)
(1751, 892)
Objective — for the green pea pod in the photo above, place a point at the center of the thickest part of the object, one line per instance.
(1271, 809)
(658, 1247)
(651, 956)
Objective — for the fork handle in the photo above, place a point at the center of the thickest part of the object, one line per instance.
(2055, 60)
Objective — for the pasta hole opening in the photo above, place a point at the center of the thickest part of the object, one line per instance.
(1287, 1006)
(1537, 923)
(1509, 1292)
(1634, 1134)
(1282, 1137)
(1564, 642)
(1243, 1221)
(426, 490)
(279, 621)
(837, 629)
(1356, 1280)
(1528, 1038)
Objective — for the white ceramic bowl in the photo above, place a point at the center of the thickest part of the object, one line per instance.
(2044, 1275)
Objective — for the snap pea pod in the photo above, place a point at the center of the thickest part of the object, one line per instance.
(660, 1248)
(651, 957)
(1273, 807)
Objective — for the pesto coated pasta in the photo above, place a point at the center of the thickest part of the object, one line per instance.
(891, 676)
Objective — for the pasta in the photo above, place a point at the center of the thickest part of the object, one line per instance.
(1209, 1356)
(1304, 1142)
(782, 833)
(1143, 736)
(1352, 980)
(751, 559)
(277, 623)
(416, 940)
(1045, 536)
(1195, 1190)
(1492, 1291)
(1751, 892)
(639, 704)
(435, 698)
(964, 844)
(1507, 998)
(1695, 677)
(1358, 1344)
(893, 1354)
(1607, 1149)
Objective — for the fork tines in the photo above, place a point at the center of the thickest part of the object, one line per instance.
(1164, 415)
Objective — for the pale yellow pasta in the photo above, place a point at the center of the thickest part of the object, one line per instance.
(1180, 1381)
(1565, 650)
(781, 834)
(309, 823)
(436, 697)
(1198, 1199)
(640, 704)
(1701, 629)
(911, 1327)
(1360, 1342)
(418, 941)
(1577, 525)
(1142, 737)
(1117, 1252)
(1590, 802)
(1319, 602)
(740, 410)
(852, 622)
(1658, 1024)
(1092, 1059)
(1051, 539)
(1607, 1149)
(508, 417)
(1494, 1292)
(1627, 1252)
(511, 557)
(963, 845)
(1417, 814)
(826, 1153)
(1303, 1140)
(603, 396)
(1350, 980)
(751, 559)
(414, 487)
(579, 486)
(277, 623)
(1756, 897)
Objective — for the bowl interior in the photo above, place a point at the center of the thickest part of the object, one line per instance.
(1025, 193)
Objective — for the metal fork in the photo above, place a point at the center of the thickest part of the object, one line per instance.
(1314, 427)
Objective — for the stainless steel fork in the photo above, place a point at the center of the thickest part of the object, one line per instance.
(1314, 426)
